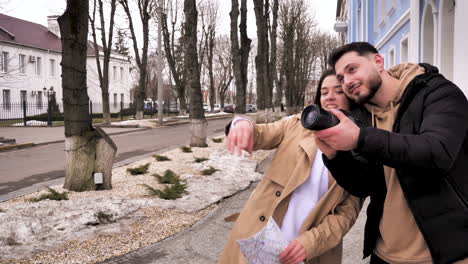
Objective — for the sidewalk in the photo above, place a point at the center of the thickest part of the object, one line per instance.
(203, 243)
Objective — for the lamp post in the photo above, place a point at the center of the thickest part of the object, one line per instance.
(49, 107)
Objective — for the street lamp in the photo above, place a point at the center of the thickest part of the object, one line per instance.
(49, 108)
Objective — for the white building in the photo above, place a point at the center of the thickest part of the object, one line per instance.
(30, 56)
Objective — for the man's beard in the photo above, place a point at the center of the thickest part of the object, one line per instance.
(373, 86)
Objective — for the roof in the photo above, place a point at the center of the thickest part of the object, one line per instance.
(22, 32)
(27, 33)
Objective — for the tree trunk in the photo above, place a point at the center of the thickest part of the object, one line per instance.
(198, 124)
(80, 146)
(240, 55)
(264, 92)
(273, 81)
(169, 51)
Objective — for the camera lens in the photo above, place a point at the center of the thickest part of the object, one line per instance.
(316, 118)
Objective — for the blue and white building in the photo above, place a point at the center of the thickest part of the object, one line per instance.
(432, 31)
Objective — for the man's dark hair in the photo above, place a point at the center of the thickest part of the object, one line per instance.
(362, 48)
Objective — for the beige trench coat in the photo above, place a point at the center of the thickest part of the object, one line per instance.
(323, 229)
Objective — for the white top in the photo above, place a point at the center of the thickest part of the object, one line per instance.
(305, 197)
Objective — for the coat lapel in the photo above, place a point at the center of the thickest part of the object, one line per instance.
(307, 144)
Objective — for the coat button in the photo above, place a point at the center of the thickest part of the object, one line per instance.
(278, 193)
(262, 218)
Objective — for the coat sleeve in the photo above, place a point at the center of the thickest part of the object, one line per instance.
(366, 175)
(442, 132)
(270, 135)
(331, 231)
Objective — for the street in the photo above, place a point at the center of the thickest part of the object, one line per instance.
(26, 167)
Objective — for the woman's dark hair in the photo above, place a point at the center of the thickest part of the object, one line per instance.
(324, 75)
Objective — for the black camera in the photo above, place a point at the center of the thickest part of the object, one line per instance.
(316, 118)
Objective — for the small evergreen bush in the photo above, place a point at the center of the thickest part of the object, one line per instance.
(200, 160)
(186, 149)
(217, 140)
(169, 177)
(161, 158)
(139, 170)
(52, 195)
(209, 171)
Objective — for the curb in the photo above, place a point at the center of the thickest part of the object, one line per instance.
(17, 146)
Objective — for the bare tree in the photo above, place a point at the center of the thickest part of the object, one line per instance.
(209, 32)
(173, 53)
(106, 42)
(300, 50)
(198, 124)
(87, 150)
(145, 8)
(262, 62)
(223, 68)
(273, 80)
(240, 53)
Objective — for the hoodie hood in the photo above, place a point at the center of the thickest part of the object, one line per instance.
(405, 73)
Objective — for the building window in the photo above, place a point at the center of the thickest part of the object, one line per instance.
(115, 100)
(122, 100)
(391, 57)
(23, 96)
(115, 73)
(52, 68)
(6, 100)
(22, 64)
(404, 50)
(38, 65)
(121, 73)
(4, 62)
(39, 99)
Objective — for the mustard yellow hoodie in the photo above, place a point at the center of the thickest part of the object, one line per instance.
(401, 240)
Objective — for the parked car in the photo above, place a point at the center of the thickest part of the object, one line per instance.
(206, 107)
(250, 108)
(217, 108)
(229, 108)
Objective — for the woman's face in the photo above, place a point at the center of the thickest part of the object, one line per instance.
(332, 95)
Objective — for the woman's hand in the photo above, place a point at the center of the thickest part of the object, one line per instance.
(294, 253)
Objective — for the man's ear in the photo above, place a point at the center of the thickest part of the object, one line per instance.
(378, 62)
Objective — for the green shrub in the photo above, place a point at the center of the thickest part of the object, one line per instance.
(217, 140)
(52, 195)
(186, 149)
(169, 177)
(200, 160)
(209, 171)
(161, 157)
(170, 192)
(139, 170)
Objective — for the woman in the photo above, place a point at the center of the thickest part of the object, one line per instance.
(313, 212)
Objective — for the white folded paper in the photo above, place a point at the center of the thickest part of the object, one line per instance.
(265, 246)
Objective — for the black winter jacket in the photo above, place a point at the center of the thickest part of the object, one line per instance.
(428, 147)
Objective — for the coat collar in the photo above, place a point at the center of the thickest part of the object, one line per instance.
(307, 144)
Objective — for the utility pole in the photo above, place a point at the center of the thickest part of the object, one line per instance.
(160, 66)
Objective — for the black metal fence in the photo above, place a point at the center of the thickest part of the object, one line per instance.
(50, 113)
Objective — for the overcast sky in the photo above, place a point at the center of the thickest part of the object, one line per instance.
(38, 10)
